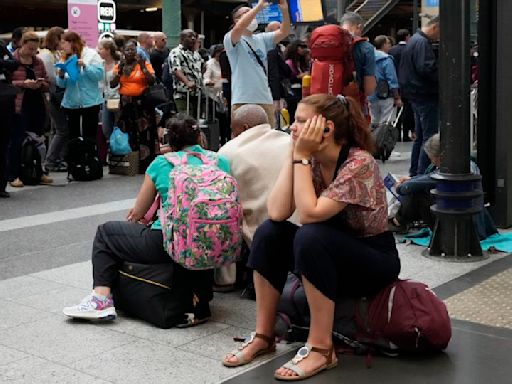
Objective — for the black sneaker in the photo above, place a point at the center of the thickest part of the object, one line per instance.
(200, 315)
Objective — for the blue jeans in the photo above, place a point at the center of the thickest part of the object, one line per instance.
(108, 121)
(426, 117)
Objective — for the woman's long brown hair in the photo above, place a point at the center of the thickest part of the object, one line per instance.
(77, 44)
(349, 122)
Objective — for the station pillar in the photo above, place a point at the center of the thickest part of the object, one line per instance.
(171, 21)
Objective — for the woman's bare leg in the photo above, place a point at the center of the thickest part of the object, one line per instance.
(321, 311)
(267, 299)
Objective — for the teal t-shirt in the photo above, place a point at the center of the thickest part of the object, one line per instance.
(158, 171)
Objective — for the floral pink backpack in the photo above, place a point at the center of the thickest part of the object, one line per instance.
(202, 224)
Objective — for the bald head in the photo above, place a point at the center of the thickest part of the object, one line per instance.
(273, 26)
(246, 117)
(146, 40)
(160, 40)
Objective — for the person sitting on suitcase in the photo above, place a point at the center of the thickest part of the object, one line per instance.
(343, 247)
(130, 241)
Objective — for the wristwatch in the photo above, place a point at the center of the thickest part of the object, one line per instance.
(302, 161)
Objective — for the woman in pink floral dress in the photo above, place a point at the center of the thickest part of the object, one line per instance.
(343, 247)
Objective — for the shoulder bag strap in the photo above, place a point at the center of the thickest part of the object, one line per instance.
(342, 157)
(257, 57)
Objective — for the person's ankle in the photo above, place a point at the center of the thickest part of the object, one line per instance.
(101, 293)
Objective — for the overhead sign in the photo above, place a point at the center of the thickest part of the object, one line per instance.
(106, 11)
(83, 19)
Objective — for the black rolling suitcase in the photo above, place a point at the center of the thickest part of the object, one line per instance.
(386, 135)
(209, 125)
(151, 293)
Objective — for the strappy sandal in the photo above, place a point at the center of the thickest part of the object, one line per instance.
(302, 354)
(238, 353)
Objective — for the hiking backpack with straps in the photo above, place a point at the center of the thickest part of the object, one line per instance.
(405, 316)
(202, 223)
(82, 159)
(333, 65)
(31, 167)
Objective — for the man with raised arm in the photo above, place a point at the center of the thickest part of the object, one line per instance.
(247, 54)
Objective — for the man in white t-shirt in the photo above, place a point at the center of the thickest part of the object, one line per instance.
(247, 54)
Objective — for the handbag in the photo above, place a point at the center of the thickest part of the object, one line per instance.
(155, 95)
(112, 98)
(113, 104)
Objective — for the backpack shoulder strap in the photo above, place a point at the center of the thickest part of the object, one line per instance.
(358, 39)
(342, 157)
(172, 158)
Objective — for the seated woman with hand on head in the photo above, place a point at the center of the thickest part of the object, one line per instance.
(343, 247)
(117, 242)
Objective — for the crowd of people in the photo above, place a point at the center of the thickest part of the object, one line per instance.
(321, 176)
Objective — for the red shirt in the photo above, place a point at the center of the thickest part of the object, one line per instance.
(360, 186)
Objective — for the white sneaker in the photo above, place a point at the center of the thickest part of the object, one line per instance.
(92, 307)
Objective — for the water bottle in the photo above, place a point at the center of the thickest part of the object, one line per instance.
(285, 118)
(306, 86)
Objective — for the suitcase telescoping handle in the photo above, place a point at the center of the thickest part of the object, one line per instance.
(397, 113)
(198, 115)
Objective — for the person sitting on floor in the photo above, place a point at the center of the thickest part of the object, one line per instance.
(129, 241)
(416, 199)
(256, 154)
(343, 247)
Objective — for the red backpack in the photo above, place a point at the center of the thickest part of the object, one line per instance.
(407, 316)
(333, 64)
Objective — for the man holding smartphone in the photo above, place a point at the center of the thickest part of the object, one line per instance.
(247, 54)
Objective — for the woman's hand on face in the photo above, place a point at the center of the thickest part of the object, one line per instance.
(311, 137)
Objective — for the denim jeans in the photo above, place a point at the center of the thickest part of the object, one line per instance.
(426, 116)
(108, 120)
(59, 135)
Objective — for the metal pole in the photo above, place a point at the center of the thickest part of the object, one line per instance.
(415, 16)
(486, 122)
(458, 192)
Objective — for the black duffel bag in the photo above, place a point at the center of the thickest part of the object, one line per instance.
(149, 292)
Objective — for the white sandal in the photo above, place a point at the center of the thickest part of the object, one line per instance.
(302, 354)
(238, 353)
